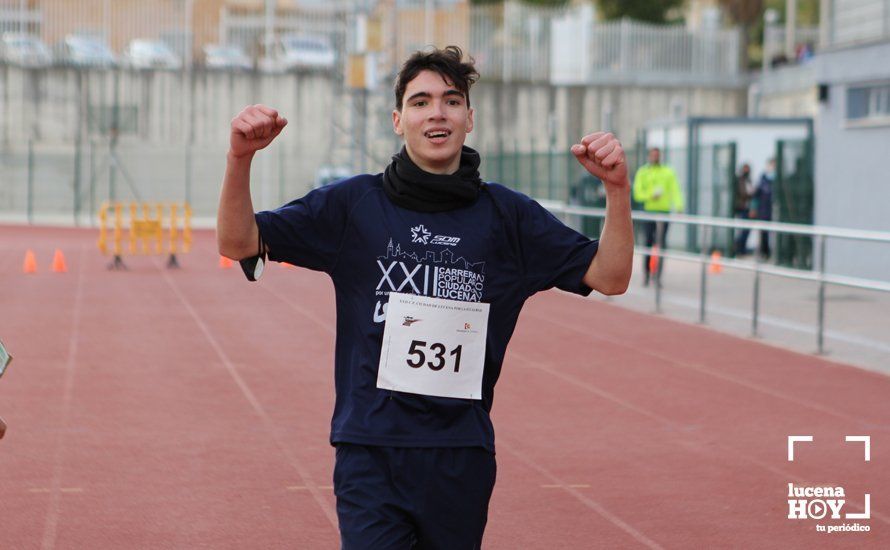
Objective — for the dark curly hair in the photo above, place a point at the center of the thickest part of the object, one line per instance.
(446, 62)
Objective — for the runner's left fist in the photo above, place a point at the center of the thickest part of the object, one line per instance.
(601, 154)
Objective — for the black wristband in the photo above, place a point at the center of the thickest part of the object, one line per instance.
(253, 266)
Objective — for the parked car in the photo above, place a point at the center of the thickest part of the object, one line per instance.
(217, 56)
(24, 50)
(300, 51)
(150, 54)
(87, 51)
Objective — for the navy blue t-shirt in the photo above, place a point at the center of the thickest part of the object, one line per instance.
(501, 249)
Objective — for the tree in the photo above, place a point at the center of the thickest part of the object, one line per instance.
(539, 3)
(653, 11)
(747, 14)
(807, 16)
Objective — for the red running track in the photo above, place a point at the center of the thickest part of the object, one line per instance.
(190, 409)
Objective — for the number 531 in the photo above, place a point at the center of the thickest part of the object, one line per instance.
(417, 351)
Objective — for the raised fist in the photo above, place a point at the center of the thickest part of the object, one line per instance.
(253, 129)
(602, 155)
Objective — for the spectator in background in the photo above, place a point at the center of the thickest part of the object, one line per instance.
(803, 52)
(655, 185)
(744, 190)
(762, 203)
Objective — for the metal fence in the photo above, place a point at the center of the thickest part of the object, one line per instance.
(545, 173)
(794, 199)
(511, 41)
(61, 184)
(69, 133)
(706, 230)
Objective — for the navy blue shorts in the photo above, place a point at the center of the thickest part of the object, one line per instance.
(412, 498)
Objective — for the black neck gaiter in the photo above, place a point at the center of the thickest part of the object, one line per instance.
(411, 187)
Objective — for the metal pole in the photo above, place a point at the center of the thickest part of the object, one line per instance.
(92, 180)
(30, 180)
(516, 180)
(428, 22)
(78, 153)
(112, 143)
(189, 37)
(825, 16)
(281, 173)
(269, 35)
(188, 173)
(188, 83)
(703, 287)
(106, 21)
(551, 145)
(551, 166)
(656, 277)
(501, 162)
(78, 147)
(755, 308)
(790, 27)
(820, 331)
(363, 151)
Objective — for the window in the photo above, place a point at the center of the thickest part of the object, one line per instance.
(868, 103)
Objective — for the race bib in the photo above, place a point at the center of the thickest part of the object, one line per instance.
(433, 346)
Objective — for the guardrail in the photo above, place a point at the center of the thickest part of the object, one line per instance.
(708, 224)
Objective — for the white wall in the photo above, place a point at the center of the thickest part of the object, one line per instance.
(852, 176)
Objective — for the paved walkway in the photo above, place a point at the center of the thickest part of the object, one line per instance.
(856, 321)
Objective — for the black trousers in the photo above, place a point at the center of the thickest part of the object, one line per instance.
(652, 232)
(764, 244)
(741, 237)
(408, 498)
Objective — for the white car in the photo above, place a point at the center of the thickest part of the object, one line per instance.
(217, 56)
(88, 51)
(151, 54)
(301, 51)
(24, 50)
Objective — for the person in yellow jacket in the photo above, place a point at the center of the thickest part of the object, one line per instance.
(655, 185)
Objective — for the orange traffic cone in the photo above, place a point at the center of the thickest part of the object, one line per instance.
(715, 266)
(225, 263)
(653, 260)
(59, 265)
(30, 265)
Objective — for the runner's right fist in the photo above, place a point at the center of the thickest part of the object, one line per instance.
(253, 129)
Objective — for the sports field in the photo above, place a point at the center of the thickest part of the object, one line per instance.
(156, 408)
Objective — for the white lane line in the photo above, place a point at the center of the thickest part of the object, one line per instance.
(256, 405)
(584, 499)
(50, 527)
(705, 370)
(661, 419)
(307, 313)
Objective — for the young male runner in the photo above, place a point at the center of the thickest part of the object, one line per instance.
(431, 267)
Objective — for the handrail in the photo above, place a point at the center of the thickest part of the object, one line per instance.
(817, 275)
(781, 227)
